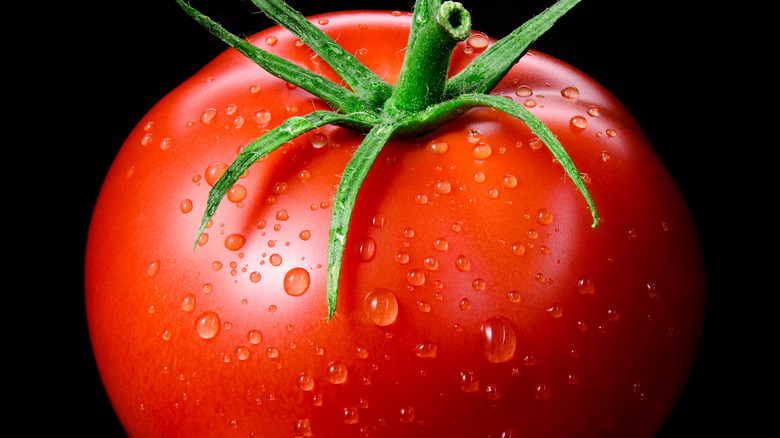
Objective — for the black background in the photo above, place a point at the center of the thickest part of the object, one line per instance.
(100, 66)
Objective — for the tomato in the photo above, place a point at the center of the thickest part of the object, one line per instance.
(475, 298)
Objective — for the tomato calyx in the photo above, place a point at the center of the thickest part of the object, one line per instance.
(423, 99)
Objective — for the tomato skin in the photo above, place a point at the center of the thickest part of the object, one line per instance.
(607, 363)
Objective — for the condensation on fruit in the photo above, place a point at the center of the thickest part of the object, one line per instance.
(381, 307)
(296, 281)
(499, 339)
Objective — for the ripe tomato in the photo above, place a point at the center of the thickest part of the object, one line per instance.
(475, 299)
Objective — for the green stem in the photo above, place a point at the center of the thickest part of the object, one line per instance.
(427, 62)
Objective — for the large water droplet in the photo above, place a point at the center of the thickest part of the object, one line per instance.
(381, 307)
(462, 263)
(498, 339)
(296, 281)
(207, 325)
(234, 242)
(214, 172)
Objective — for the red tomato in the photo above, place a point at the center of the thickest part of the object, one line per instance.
(475, 300)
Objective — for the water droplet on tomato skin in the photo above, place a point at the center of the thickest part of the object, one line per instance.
(296, 281)
(337, 373)
(153, 268)
(579, 122)
(207, 325)
(303, 427)
(544, 216)
(499, 339)
(426, 349)
(234, 242)
(406, 414)
(207, 116)
(367, 249)
(214, 172)
(468, 382)
(585, 285)
(462, 263)
(381, 307)
(570, 92)
(188, 302)
(437, 147)
(185, 206)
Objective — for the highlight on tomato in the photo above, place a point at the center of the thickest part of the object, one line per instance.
(383, 224)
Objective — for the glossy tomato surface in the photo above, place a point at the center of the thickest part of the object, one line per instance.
(476, 300)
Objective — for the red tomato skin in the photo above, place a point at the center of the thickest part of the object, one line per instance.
(174, 330)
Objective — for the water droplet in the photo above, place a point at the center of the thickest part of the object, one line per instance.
(513, 296)
(234, 242)
(464, 304)
(185, 206)
(585, 285)
(207, 325)
(437, 147)
(208, 115)
(421, 198)
(443, 187)
(431, 264)
(426, 349)
(544, 216)
(611, 133)
(188, 302)
(262, 117)
(556, 311)
(481, 151)
(509, 182)
(440, 244)
(242, 352)
(296, 281)
(462, 263)
(570, 92)
(479, 177)
(305, 382)
(478, 41)
(254, 337)
(237, 193)
(492, 392)
(214, 172)
(255, 276)
(153, 268)
(275, 259)
(416, 277)
(337, 373)
(406, 414)
(469, 382)
(318, 139)
(381, 307)
(351, 415)
(367, 249)
(498, 339)
(594, 111)
(542, 391)
(579, 122)
(524, 91)
(302, 426)
(518, 249)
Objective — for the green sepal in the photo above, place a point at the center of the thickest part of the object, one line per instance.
(272, 140)
(344, 203)
(484, 73)
(335, 95)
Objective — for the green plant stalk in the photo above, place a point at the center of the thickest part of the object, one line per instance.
(423, 99)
